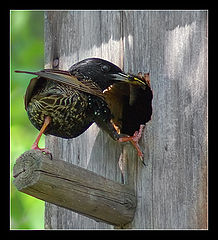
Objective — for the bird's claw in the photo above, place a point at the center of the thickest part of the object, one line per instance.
(43, 150)
(134, 140)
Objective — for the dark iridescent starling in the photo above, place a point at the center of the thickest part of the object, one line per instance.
(66, 103)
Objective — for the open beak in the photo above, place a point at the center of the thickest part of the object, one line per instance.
(119, 77)
(128, 78)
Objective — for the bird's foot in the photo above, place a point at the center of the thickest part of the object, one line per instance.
(134, 140)
(43, 150)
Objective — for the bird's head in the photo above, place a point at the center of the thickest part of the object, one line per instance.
(99, 70)
(102, 72)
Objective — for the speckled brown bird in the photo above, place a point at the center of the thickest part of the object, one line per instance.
(66, 103)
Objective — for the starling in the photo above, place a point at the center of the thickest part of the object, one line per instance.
(67, 103)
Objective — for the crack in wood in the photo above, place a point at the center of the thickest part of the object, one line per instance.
(126, 202)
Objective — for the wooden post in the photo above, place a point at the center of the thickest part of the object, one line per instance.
(71, 36)
(172, 45)
(74, 188)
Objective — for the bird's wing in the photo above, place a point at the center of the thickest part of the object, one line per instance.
(65, 77)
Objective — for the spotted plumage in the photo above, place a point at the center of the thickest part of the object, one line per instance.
(92, 90)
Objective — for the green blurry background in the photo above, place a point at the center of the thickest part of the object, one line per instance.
(27, 53)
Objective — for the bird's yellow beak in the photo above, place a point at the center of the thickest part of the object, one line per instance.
(129, 78)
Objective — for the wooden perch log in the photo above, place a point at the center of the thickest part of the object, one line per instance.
(74, 188)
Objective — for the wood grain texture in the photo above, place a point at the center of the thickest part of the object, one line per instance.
(74, 188)
(83, 34)
(172, 46)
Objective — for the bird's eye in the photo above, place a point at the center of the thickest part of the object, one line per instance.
(105, 68)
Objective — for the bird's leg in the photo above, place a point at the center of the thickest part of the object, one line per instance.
(134, 140)
(110, 129)
(44, 126)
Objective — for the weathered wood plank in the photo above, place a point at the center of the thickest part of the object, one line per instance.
(83, 34)
(74, 188)
(172, 46)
